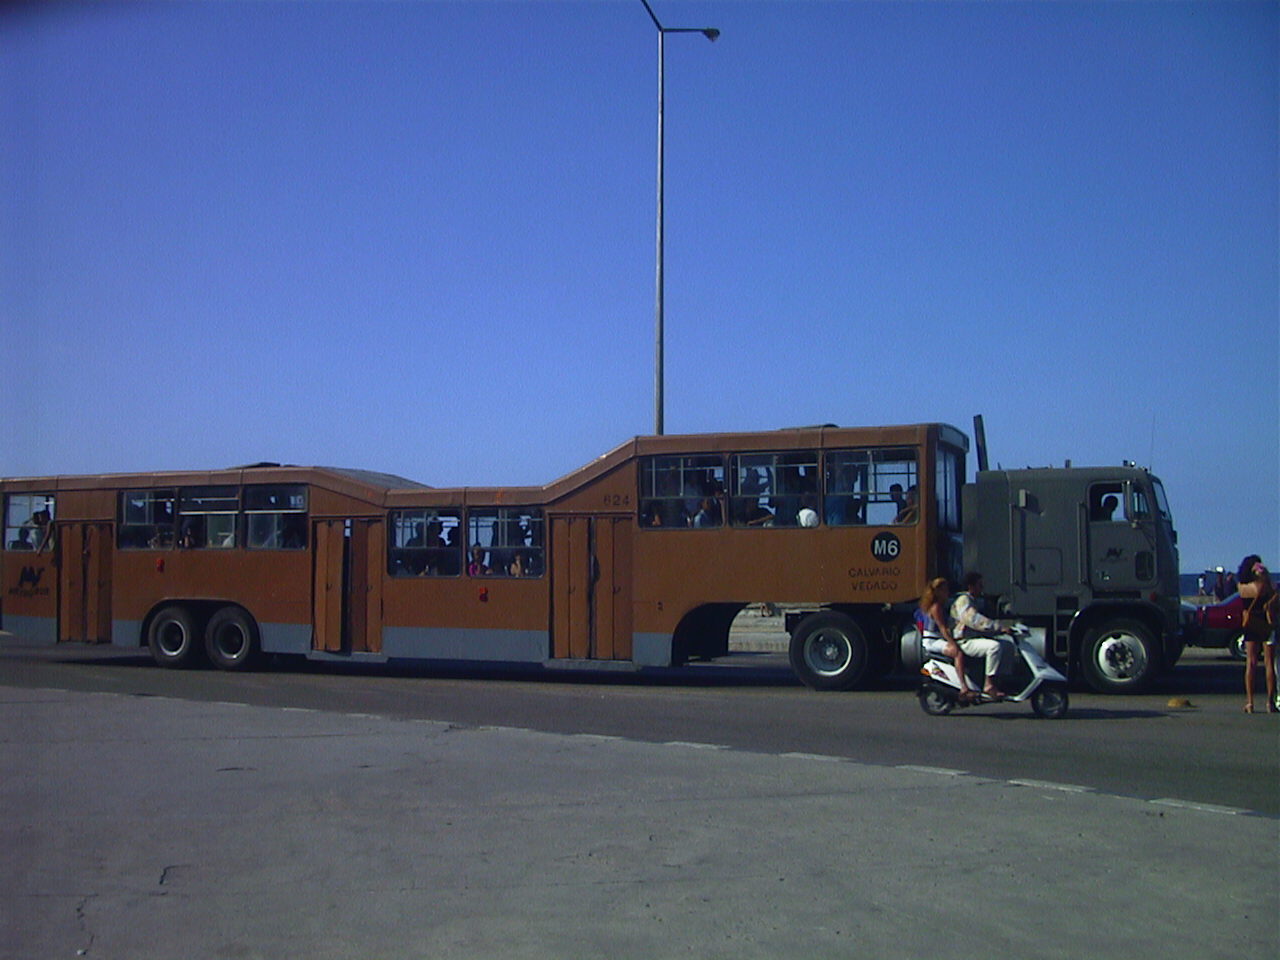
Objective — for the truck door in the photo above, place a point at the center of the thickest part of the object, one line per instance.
(1120, 553)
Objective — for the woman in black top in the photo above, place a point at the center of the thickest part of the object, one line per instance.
(1260, 615)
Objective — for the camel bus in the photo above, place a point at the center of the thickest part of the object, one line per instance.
(641, 558)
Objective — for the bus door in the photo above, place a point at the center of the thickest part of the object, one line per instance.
(591, 587)
(84, 582)
(347, 586)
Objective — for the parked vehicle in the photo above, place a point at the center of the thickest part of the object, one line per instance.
(1218, 625)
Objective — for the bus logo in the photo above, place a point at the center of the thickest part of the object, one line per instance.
(886, 547)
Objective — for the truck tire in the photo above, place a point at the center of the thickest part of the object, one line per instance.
(173, 638)
(231, 639)
(1119, 656)
(829, 651)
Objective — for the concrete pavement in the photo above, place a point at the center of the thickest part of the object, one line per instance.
(140, 827)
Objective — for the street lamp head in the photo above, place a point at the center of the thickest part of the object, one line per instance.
(711, 33)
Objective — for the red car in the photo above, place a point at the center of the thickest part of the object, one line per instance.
(1218, 625)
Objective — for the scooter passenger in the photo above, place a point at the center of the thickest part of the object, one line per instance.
(936, 632)
(978, 636)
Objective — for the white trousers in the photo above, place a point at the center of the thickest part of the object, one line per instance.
(991, 650)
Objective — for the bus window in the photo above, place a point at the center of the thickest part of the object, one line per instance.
(772, 489)
(876, 487)
(678, 492)
(207, 517)
(277, 517)
(949, 480)
(146, 520)
(28, 521)
(425, 543)
(505, 542)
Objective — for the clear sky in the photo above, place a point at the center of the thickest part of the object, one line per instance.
(418, 237)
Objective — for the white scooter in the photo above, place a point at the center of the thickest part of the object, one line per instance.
(1044, 686)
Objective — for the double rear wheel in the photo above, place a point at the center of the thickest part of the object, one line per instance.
(229, 638)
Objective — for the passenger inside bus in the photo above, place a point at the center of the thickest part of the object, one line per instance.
(909, 506)
(755, 514)
(477, 567)
(42, 524)
(708, 514)
(808, 515)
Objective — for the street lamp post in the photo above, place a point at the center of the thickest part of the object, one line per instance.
(710, 33)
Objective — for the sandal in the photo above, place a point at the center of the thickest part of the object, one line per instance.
(1248, 708)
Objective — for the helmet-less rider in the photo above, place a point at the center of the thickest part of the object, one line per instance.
(979, 636)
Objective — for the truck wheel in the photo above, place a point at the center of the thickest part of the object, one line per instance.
(829, 651)
(1050, 701)
(231, 639)
(172, 637)
(1119, 657)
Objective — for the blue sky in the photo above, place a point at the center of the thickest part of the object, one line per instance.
(418, 237)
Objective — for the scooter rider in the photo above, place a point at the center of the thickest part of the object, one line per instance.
(977, 635)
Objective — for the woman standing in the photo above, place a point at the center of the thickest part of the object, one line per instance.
(1260, 615)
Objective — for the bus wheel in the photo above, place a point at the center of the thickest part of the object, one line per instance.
(1118, 657)
(172, 637)
(829, 651)
(231, 639)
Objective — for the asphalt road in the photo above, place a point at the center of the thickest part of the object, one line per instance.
(1130, 746)
(721, 811)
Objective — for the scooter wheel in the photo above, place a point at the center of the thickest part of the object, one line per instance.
(1050, 701)
(935, 702)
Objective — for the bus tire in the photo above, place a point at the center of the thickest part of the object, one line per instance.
(1119, 656)
(172, 637)
(231, 639)
(829, 651)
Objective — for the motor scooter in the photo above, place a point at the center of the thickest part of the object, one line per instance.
(1042, 684)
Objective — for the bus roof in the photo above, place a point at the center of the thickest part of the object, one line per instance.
(394, 490)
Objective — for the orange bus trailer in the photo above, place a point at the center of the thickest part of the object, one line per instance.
(641, 558)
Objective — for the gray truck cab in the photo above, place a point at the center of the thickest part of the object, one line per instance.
(1090, 555)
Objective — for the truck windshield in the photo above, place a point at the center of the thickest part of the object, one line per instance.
(1140, 502)
(1162, 502)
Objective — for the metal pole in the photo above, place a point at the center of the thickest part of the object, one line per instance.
(711, 34)
(658, 319)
